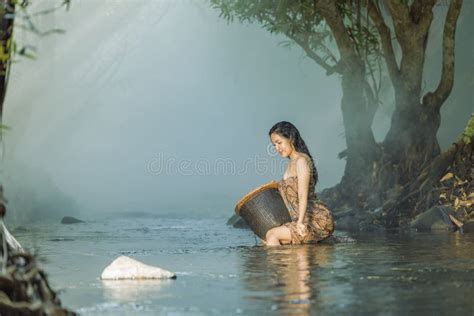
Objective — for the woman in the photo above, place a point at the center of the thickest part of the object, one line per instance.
(311, 220)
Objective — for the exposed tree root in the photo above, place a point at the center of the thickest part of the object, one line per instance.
(448, 180)
(24, 288)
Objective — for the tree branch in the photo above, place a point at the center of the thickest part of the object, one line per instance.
(386, 41)
(372, 102)
(400, 16)
(425, 17)
(335, 21)
(416, 10)
(446, 83)
(305, 46)
(311, 54)
(6, 31)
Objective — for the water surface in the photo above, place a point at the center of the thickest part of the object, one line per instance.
(222, 270)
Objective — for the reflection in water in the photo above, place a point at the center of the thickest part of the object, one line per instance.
(393, 273)
(133, 290)
(287, 272)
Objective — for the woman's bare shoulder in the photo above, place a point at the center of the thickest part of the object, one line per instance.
(302, 162)
(306, 158)
(303, 157)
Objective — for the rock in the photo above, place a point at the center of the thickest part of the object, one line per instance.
(434, 219)
(237, 222)
(347, 223)
(467, 227)
(126, 268)
(70, 220)
(342, 213)
(370, 227)
(333, 239)
(20, 229)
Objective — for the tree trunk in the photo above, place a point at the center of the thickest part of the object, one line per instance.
(6, 30)
(361, 145)
(362, 150)
(409, 161)
(410, 145)
(426, 190)
(358, 110)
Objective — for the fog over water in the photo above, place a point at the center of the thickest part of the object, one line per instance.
(160, 107)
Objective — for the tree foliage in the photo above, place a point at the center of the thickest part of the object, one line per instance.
(304, 24)
(16, 14)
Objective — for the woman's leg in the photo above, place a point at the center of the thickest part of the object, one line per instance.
(278, 236)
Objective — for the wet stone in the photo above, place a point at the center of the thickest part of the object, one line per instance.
(468, 227)
(70, 220)
(434, 219)
(347, 223)
(334, 239)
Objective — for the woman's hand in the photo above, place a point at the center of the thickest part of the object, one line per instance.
(301, 228)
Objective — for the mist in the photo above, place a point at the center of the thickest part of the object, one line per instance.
(163, 107)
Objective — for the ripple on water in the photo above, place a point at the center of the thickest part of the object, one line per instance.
(396, 273)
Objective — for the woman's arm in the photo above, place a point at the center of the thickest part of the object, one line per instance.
(303, 171)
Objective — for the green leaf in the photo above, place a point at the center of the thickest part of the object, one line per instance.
(5, 127)
(468, 133)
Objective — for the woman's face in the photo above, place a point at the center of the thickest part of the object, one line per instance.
(282, 145)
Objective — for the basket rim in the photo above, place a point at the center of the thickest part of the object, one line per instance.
(269, 185)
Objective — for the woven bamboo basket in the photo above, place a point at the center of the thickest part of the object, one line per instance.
(263, 208)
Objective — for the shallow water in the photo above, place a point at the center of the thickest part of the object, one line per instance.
(222, 270)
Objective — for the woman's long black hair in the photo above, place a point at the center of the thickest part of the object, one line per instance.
(288, 130)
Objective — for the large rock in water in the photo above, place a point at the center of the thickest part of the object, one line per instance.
(434, 219)
(347, 223)
(126, 268)
(467, 227)
(70, 220)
